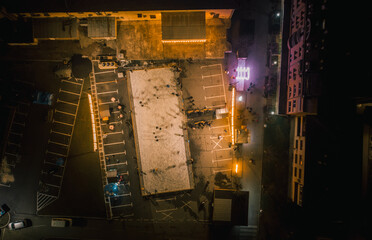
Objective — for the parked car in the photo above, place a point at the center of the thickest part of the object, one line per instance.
(44, 98)
(20, 224)
(61, 222)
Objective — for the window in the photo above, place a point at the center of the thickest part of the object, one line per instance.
(299, 89)
(295, 158)
(294, 90)
(294, 104)
(295, 172)
(300, 144)
(289, 106)
(296, 144)
(301, 160)
(299, 173)
(290, 92)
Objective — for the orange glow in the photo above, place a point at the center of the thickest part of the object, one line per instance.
(185, 41)
(232, 117)
(236, 168)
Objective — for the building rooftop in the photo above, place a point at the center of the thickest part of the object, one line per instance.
(114, 5)
(161, 145)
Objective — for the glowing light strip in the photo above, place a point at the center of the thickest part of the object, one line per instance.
(236, 168)
(93, 123)
(232, 117)
(185, 41)
(243, 73)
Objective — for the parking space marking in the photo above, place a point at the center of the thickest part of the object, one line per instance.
(52, 164)
(222, 160)
(61, 133)
(117, 164)
(219, 126)
(54, 175)
(67, 102)
(111, 133)
(222, 170)
(12, 154)
(19, 134)
(212, 86)
(52, 185)
(115, 81)
(12, 143)
(22, 124)
(217, 143)
(166, 199)
(213, 75)
(166, 215)
(212, 65)
(221, 149)
(108, 92)
(213, 97)
(119, 153)
(63, 123)
(104, 72)
(115, 143)
(122, 195)
(123, 205)
(58, 154)
(61, 90)
(186, 204)
(120, 122)
(71, 82)
(62, 144)
(71, 114)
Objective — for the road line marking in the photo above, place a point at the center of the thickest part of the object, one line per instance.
(61, 90)
(223, 83)
(122, 195)
(103, 103)
(71, 82)
(213, 75)
(222, 170)
(108, 92)
(104, 72)
(51, 163)
(55, 175)
(61, 133)
(58, 154)
(119, 153)
(166, 199)
(66, 102)
(217, 143)
(71, 114)
(63, 123)
(115, 81)
(221, 160)
(62, 144)
(116, 164)
(123, 205)
(211, 86)
(213, 97)
(115, 143)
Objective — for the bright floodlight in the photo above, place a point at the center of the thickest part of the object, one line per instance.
(242, 73)
(240, 98)
(278, 14)
(272, 112)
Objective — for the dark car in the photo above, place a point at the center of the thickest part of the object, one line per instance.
(4, 209)
(20, 224)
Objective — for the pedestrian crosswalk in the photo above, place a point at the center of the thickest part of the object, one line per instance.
(58, 147)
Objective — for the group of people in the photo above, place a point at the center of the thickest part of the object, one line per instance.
(200, 124)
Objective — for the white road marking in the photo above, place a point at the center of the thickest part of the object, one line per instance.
(108, 92)
(104, 72)
(66, 102)
(212, 86)
(61, 90)
(213, 97)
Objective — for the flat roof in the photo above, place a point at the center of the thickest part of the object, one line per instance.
(59, 28)
(162, 150)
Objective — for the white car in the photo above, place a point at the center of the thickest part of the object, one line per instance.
(20, 224)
